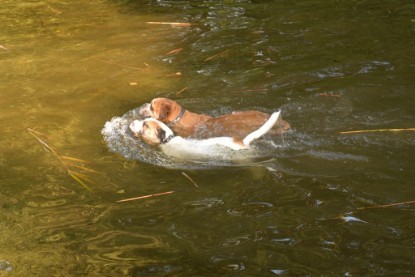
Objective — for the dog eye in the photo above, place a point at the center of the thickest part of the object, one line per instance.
(144, 127)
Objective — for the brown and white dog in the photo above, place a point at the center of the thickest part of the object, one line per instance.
(188, 124)
(155, 132)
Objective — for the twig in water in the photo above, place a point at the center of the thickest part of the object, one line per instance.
(217, 55)
(129, 67)
(73, 159)
(190, 179)
(84, 168)
(44, 144)
(82, 179)
(180, 91)
(177, 24)
(263, 90)
(376, 131)
(158, 194)
(174, 51)
(329, 94)
(387, 205)
(146, 196)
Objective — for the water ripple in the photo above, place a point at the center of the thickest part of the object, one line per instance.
(252, 209)
(203, 204)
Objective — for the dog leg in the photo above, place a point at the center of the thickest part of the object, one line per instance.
(263, 129)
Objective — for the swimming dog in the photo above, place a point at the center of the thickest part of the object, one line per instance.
(188, 124)
(155, 132)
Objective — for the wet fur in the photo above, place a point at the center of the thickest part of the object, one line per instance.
(236, 124)
(156, 132)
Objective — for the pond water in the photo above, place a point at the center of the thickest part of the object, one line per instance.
(68, 67)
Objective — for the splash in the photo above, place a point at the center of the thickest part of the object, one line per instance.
(120, 140)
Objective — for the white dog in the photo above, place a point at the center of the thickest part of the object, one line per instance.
(155, 132)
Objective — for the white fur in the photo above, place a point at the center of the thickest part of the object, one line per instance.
(263, 129)
(209, 142)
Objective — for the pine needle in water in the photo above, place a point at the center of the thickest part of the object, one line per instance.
(376, 131)
(174, 51)
(221, 54)
(121, 65)
(180, 91)
(388, 205)
(190, 179)
(146, 196)
(74, 159)
(84, 168)
(78, 178)
(176, 24)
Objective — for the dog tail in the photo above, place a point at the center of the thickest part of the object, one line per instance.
(263, 129)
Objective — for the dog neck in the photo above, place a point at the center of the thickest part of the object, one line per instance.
(179, 116)
(167, 139)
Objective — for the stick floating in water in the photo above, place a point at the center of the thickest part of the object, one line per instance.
(146, 196)
(388, 205)
(190, 179)
(178, 24)
(376, 131)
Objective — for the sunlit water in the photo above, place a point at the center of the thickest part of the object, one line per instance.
(68, 68)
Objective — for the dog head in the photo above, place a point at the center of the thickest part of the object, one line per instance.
(151, 131)
(162, 109)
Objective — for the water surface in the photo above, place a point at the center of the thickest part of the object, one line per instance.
(66, 68)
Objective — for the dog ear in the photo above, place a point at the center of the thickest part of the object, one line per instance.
(164, 112)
